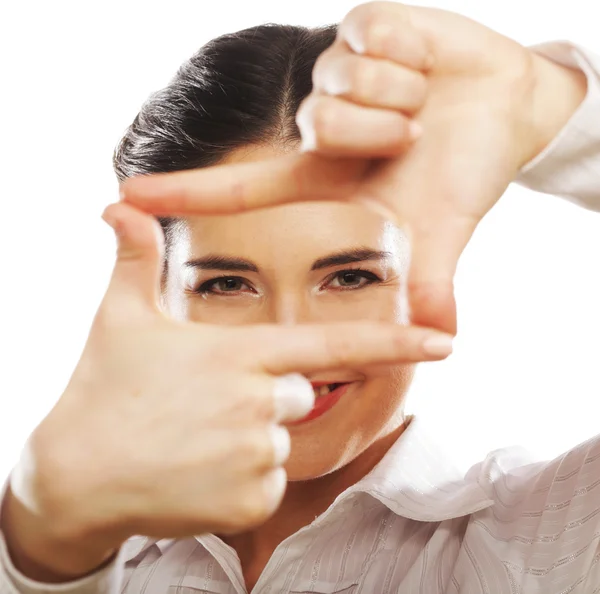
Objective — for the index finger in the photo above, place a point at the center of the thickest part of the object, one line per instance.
(238, 187)
(310, 348)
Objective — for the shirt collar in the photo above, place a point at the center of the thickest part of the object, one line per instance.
(140, 544)
(414, 480)
(417, 481)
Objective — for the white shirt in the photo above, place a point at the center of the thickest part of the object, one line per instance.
(414, 524)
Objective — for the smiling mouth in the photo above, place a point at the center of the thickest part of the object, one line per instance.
(326, 397)
(326, 389)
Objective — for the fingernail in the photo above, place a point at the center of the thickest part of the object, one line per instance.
(113, 222)
(294, 397)
(438, 346)
(353, 39)
(282, 444)
(309, 141)
(415, 130)
(109, 219)
(275, 483)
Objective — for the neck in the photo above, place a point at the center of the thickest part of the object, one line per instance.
(302, 503)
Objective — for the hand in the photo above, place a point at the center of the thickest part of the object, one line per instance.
(171, 429)
(486, 105)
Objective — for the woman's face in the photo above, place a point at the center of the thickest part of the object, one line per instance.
(314, 262)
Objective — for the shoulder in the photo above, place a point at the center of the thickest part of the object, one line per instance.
(565, 491)
(543, 521)
(515, 468)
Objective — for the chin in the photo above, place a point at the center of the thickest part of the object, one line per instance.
(366, 412)
(297, 472)
(315, 458)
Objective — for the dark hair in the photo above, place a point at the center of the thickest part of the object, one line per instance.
(238, 89)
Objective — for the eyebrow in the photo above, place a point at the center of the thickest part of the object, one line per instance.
(215, 262)
(350, 256)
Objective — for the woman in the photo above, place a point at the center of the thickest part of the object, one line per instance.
(145, 445)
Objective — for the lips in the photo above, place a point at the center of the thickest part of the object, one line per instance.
(327, 394)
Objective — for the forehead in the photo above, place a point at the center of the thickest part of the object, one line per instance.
(291, 232)
(334, 221)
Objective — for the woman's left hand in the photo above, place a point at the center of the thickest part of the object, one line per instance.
(486, 105)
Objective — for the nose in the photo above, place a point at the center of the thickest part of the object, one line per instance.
(290, 308)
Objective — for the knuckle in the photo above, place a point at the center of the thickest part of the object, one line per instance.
(363, 78)
(261, 498)
(365, 11)
(416, 88)
(261, 406)
(251, 509)
(376, 23)
(251, 407)
(256, 449)
(420, 88)
(377, 35)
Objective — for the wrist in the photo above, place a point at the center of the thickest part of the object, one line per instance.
(558, 93)
(48, 518)
(39, 554)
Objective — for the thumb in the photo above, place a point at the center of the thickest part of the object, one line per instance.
(135, 283)
(435, 250)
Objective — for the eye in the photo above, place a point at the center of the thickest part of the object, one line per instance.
(223, 285)
(351, 279)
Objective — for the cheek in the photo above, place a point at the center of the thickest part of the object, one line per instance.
(234, 312)
(381, 304)
(351, 429)
(379, 409)
(383, 395)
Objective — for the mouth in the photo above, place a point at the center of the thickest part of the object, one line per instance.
(322, 390)
(327, 396)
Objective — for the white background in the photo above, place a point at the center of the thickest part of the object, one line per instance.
(525, 368)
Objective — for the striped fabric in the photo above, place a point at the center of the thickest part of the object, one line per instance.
(415, 525)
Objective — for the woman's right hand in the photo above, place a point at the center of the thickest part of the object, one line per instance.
(170, 429)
